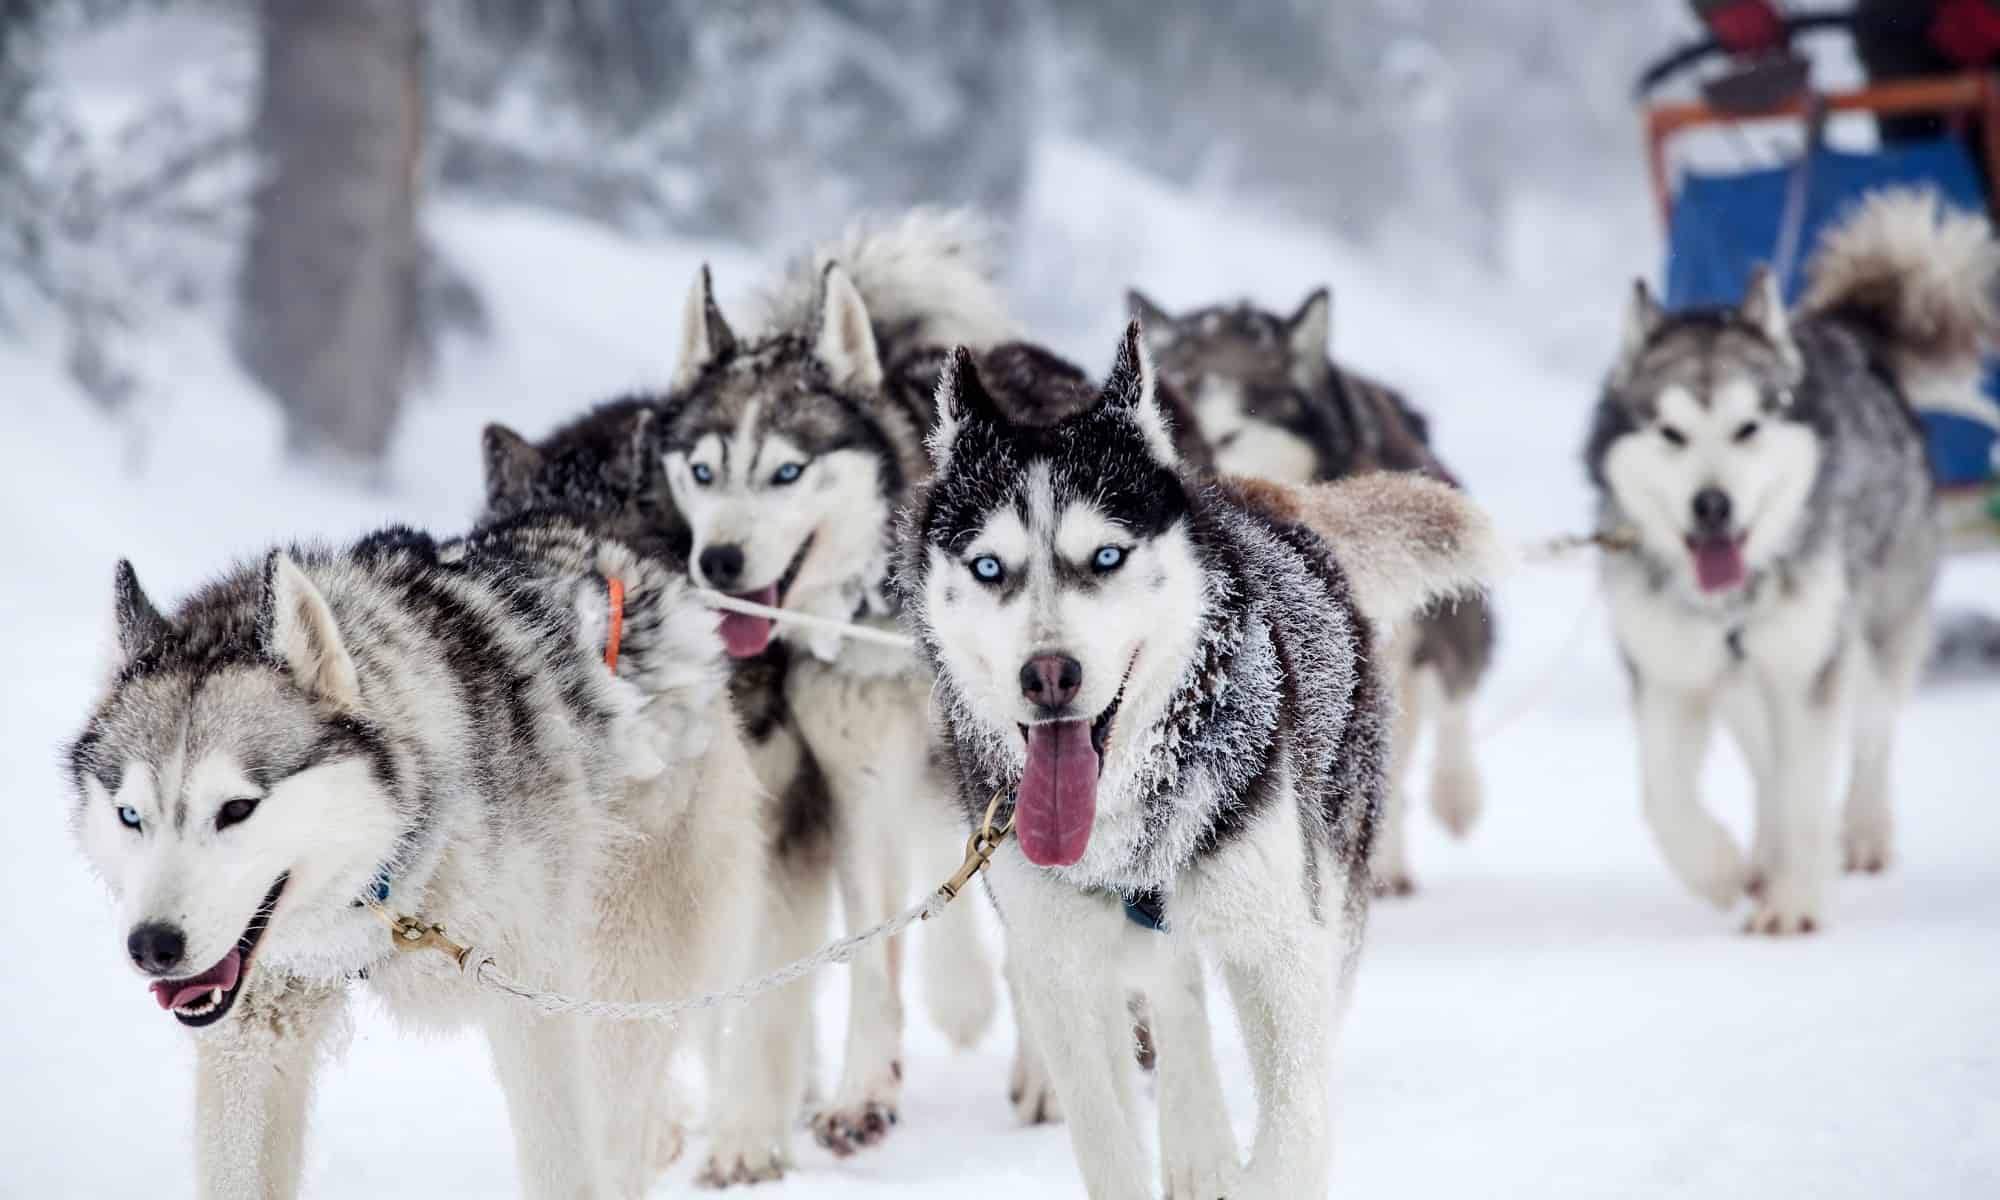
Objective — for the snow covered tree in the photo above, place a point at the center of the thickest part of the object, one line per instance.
(332, 270)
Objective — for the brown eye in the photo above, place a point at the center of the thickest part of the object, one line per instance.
(235, 813)
(1746, 431)
(1674, 436)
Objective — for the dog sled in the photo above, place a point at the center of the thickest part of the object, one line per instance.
(1751, 199)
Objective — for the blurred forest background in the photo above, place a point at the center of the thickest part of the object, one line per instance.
(273, 162)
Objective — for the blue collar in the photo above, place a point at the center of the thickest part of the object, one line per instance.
(1147, 909)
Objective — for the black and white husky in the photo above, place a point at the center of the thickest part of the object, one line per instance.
(1774, 473)
(1173, 678)
(486, 733)
(1270, 403)
(787, 452)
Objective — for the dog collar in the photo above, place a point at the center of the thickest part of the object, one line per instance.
(1147, 909)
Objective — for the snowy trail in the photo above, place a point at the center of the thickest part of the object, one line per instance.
(1550, 1016)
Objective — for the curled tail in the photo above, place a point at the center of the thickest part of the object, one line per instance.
(1919, 277)
(1403, 540)
(926, 278)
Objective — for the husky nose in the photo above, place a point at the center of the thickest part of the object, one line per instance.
(1051, 680)
(722, 566)
(1711, 510)
(156, 947)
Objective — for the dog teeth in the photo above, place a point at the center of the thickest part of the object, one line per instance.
(215, 997)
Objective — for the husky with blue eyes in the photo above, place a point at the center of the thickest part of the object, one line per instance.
(787, 451)
(1168, 681)
(1773, 471)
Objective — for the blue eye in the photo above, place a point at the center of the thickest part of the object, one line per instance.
(1109, 558)
(987, 569)
(789, 473)
(128, 816)
(702, 474)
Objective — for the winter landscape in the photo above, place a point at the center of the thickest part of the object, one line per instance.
(1551, 1014)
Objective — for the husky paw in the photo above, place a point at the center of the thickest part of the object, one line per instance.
(855, 1121)
(665, 1143)
(962, 1004)
(1197, 1181)
(744, 1157)
(1785, 908)
(1866, 850)
(1715, 869)
(1456, 798)
(1032, 1092)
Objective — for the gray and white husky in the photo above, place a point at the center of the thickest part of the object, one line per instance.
(606, 466)
(1776, 479)
(1271, 404)
(787, 452)
(436, 726)
(1173, 676)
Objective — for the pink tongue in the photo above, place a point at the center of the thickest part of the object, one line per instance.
(1718, 564)
(1057, 802)
(175, 993)
(745, 636)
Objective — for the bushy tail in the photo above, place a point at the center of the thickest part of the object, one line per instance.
(1920, 277)
(926, 276)
(1404, 541)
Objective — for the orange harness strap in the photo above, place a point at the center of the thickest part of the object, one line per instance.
(615, 596)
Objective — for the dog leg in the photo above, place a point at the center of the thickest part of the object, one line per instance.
(542, 1064)
(1742, 712)
(1867, 830)
(1390, 863)
(1805, 718)
(1198, 1158)
(959, 985)
(1061, 947)
(1456, 794)
(760, 1080)
(1029, 1088)
(253, 1087)
(1673, 738)
(1284, 993)
(864, 1106)
(640, 1126)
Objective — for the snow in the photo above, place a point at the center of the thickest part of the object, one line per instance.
(1551, 1015)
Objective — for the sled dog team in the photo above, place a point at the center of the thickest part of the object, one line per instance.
(1155, 614)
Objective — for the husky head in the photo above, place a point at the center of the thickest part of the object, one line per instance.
(1057, 588)
(1257, 383)
(779, 461)
(1701, 441)
(604, 464)
(230, 787)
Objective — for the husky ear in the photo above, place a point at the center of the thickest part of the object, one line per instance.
(140, 625)
(1156, 321)
(511, 463)
(846, 340)
(1307, 332)
(1763, 309)
(300, 634)
(705, 336)
(1131, 387)
(962, 399)
(1642, 321)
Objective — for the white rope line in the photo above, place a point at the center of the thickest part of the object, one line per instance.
(480, 966)
(786, 616)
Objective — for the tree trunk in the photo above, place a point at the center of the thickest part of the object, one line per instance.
(329, 286)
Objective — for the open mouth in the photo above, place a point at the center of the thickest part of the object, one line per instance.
(206, 998)
(745, 635)
(1055, 805)
(1718, 561)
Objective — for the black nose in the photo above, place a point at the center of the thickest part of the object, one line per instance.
(1711, 510)
(722, 565)
(156, 947)
(1051, 680)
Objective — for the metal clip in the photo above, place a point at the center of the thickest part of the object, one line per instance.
(979, 850)
(411, 934)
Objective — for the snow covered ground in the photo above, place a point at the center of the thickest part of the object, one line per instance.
(1550, 1016)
